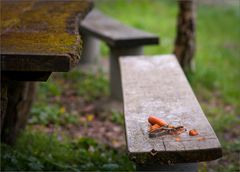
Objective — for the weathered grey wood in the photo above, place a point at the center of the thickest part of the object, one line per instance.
(41, 35)
(91, 49)
(121, 39)
(157, 86)
(115, 33)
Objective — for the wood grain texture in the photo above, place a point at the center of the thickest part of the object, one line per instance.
(115, 33)
(157, 86)
(43, 35)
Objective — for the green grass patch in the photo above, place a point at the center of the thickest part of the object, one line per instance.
(117, 117)
(92, 87)
(36, 151)
(89, 86)
(48, 108)
(51, 114)
(217, 61)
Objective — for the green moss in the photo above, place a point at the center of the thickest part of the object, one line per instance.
(10, 13)
(42, 28)
(36, 151)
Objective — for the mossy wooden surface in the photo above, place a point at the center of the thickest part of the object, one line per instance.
(38, 28)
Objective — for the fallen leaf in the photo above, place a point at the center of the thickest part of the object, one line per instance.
(62, 110)
(116, 144)
(90, 117)
(88, 109)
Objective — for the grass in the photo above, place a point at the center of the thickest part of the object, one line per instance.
(215, 81)
(218, 44)
(49, 108)
(54, 114)
(48, 153)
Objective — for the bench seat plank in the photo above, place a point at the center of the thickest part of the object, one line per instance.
(157, 86)
(41, 35)
(115, 33)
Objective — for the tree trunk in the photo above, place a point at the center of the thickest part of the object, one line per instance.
(20, 96)
(185, 40)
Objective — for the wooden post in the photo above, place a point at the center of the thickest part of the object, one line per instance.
(115, 78)
(4, 101)
(91, 49)
(185, 40)
(20, 97)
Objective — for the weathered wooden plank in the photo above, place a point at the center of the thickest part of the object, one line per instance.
(35, 62)
(42, 31)
(115, 33)
(157, 86)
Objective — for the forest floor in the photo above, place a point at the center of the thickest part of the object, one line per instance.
(75, 126)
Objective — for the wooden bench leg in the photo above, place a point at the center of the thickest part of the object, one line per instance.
(19, 98)
(4, 101)
(91, 49)
(115, 78)
(190, 167)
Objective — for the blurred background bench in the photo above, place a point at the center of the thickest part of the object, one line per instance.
(121, 40)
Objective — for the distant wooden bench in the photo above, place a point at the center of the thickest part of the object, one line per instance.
(121, 39)
(157, 86)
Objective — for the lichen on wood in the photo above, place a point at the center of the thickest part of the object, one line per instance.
(42, 27)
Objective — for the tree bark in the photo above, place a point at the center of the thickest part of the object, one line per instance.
(185, 39)
(20, 97)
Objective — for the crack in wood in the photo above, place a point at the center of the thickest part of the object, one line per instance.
(164, 144)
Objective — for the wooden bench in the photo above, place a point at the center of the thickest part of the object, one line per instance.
(121, 39)
(37, 38)
(157, 86)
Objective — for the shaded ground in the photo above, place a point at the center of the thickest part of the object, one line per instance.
(101, 119)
